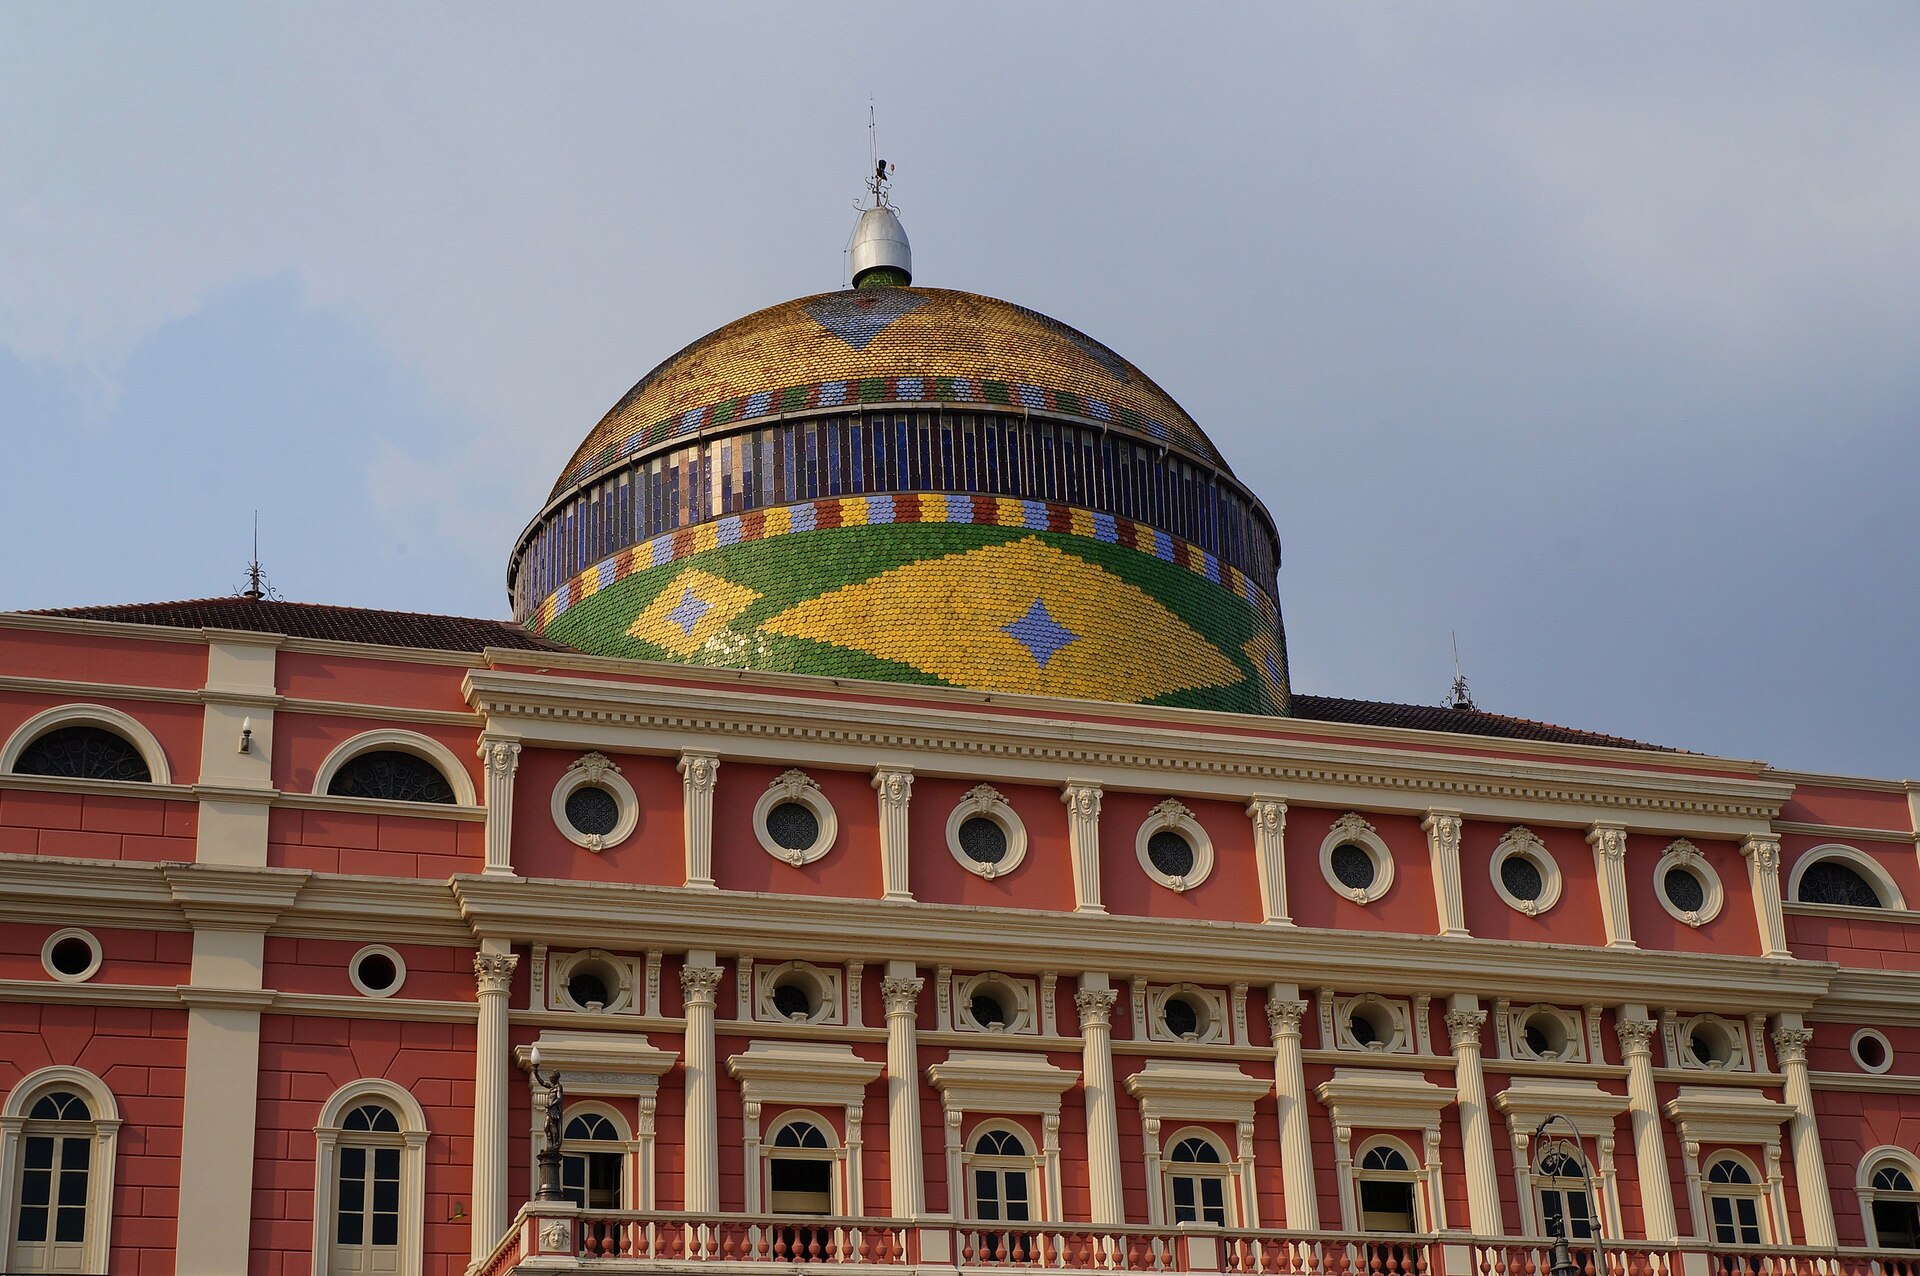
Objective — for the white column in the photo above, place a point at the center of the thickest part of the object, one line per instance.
(1083, 835)
(1464, 1022)
(1649, 1142)
(1443, 849)
(1095, 1001)
(699, 981)
(900, 991)
(1609, 842)
(1762, 852)
(1284, 1012)
(697, 774)
(895, 787)
(493, 975)
(1790, 1041)
(499, 759)
(1269, 816)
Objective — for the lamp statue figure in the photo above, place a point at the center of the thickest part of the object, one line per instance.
(1562, 1261)
(548, 1188)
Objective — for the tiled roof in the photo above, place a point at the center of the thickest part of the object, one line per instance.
(1433, 717)
(317, 620)
(883, 345)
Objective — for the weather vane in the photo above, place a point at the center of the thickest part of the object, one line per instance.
(258, 586)
(882, 178)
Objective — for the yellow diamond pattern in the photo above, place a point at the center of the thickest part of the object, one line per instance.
(691, 610)
(950, 617)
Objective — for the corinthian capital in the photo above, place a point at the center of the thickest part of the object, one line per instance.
(1283, 1018)
(1463, 1027)
(699, 983)
(493, 972)
(1095, 1005)
(901, 996)
(1791, 1043)
(1636, 1035)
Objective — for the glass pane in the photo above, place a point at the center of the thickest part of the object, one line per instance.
(1016, 1181)
(386, 1229)
(70, 1223)
(33, 1222)
(75, 1154)
(350, 1229)
(986, 1194)
(39, 1154)
(386, 1195)
(1213, 1200)
(386, 1163)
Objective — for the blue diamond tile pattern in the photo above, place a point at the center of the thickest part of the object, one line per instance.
(1040, 633)
(858, 317)
(687, 612)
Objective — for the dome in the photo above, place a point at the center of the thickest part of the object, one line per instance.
(913, 485)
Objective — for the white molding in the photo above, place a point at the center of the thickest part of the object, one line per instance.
(1353, 829)
(380, 950)
(1681, 853)
(1723, 1115)
(1214, 1016)
(121, 724)
(1523, 842)
(1183, 1090)
(1019, 993)
(1870, 1164)
(93, 947)
(413, 1170)
(98, 1243)
(426, 748)
(1886, 1051)
(1173, 816)
(827, 983)
(624, 992)
(595, 770)
(1570, 1024)
(794, 785)
(983, 801)
(1001, 1083)
(1891, 900)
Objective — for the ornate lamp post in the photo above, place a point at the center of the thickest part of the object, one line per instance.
(548, 1188)
(1562, 1262)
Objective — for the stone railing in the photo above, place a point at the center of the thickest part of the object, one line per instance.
(561, 1238)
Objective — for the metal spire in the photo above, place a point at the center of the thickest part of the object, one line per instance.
(1459, 697)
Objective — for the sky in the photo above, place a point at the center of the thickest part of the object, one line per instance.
(1585, 333)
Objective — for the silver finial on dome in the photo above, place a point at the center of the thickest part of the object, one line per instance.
(881, 254)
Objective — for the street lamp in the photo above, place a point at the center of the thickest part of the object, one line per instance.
(548, 1188)
(1561, 1261)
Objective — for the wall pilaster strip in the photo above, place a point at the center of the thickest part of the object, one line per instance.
(1095, 1006)
(900, 991)
(1083, 837)
(1464, 1022)
(493, 976)
(1609, 842)
(895, 788)
(1443, 850)
(1269, 816)
(1284, 1014)
(1790, 1041)
(500, 760)
(1649, 1142)
(698, 772)
(1762, 853)
(699, 983)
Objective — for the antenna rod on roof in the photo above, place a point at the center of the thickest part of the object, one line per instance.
(258, 586)
(1460, 697)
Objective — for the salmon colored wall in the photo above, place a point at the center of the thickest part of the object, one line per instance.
(1853, 1124)
(141, 1057)
(153, 958)
(1231, 892)
(434, 972)
(1044, 879)
(1575, 919)
(1734, 932)
(851, 869)
(1854, 938)
(302, 741)
(1895, 859)
(175, 726)
(1855, 808)
(405, 684)
(303, 1061)
(655, 854)
(131, 662)
(89, 826)
(358, 844)
(1406, 908)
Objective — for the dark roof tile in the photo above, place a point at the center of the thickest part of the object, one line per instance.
(318, 620)
(1433, 717)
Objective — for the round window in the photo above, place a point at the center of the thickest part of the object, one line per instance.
(71, 956)
(1872, 1051)
(1181, 1018)
(1710, 1044)
(792, 1000)
(1370, 1027)
(1521, 876)
(987, 1011)
(1171, 853)
(377, 972)
(1685, 890)
(983, 840)
(793, 827)
(593, 811)
(588, 988)
(1544, 1035)
(1353, 866)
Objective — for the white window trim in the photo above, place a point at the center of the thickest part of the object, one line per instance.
(1352, 827)
(1739, 1054)
(626, 1146)
(1857, 860)
(1570, 1022)
(377, 950)
(796, 786)
(1684, 854)
(106, 1136)
(1211, 1005)
(826, 987)
(1863, 1183)
(1523, 843)
(413, 1169)
(72, 932)
(809, 1076)
(423, 747)
(595, 770)
(1227, 1170)
(89, 715)
(1399, 1015)
(1540, 1182)
(1172, 816)
(834, 1154)
(986, 802)
(1756, 1190)
(626, 978)
(1886, 1062)
(1033, 1163)
(1416, 1176)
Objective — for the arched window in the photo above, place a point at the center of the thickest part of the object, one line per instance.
(391, 776)
(1889, 1199)
(60, 1127)
(1733, 1203)
(370, 1181)
(1560, 1190)
(1832, 882)
(85, 742)
(1002, 1177)
(1385, 1181)
(593, 1160)
(802, 1164)
(1196, 1176)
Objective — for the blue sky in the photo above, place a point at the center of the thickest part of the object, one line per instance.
(1585, 331)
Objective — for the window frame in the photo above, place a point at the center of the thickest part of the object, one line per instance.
(1684, 854)
(834, 1154)
(97, 1244)
(795, 785)
(1876, 875)
(72, 932)
(1871, 1164)
(1415, 1177)
(595, 771)
(1587, 1185)
(622, 1145)
(983, 801)
(101, 717)
(329, 1136)
(1225, 1170)
(1524, 843)
(1171, 816)
(1030, 1163)
(1755, 1189)
(425, 748)
(1354, 828)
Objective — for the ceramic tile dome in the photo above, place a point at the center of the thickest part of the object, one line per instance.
(913, 485)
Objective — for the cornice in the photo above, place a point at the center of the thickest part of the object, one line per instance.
(86, 892)
(637, 918)
(148, 996)
(377, 806)
(1825, 780)
(98, 788)
(326, 1006)
(760, 724)
(1843, 832)
(386, 713)
(377, 651)
(203, 998)
(79, 690)
(223, 897)
(330, 906)
(1865, 1082)
(105, 628)
(1880, 997)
